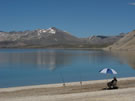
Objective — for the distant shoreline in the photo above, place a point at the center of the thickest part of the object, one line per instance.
(60, 48)
(102, 49)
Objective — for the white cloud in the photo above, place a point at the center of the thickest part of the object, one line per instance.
(132, 3)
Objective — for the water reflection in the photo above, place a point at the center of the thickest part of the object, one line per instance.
(51, 59)
(19, 67)
(126, 57)
(39, 58)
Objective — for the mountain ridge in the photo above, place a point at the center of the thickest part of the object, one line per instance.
(125, 43)
(52, 37)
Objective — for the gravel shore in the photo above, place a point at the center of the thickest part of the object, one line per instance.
(88, 91)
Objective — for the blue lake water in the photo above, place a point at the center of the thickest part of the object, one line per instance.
(21, 67)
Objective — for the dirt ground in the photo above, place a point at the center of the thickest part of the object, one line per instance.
(67, 89)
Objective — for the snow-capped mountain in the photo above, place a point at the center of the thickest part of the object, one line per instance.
(38, 38)
(52, 38)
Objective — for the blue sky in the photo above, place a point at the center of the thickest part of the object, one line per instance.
(81, 18)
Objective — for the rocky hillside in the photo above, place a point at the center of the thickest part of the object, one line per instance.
(125, 43)
(52, 38)
(103, 40)
(38, 38)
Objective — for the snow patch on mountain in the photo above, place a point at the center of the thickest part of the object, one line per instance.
(52, 31)
(42, 31)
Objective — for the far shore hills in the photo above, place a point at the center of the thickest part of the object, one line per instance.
(59, 39)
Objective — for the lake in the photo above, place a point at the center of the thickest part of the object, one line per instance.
(21, 67)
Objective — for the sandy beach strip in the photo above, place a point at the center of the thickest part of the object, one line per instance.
(111, 95)
(89, 91)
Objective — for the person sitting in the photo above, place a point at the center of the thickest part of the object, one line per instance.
(112, 84)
